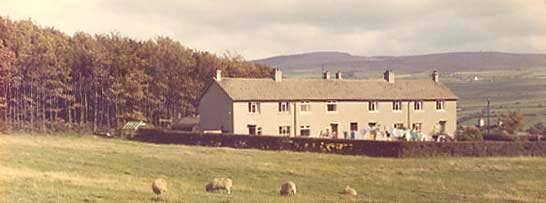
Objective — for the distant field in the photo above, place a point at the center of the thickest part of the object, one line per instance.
(89, 169)
(518, 90)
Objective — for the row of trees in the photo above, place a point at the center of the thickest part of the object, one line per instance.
(50, 80)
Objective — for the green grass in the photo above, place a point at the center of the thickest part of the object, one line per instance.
(90, 169)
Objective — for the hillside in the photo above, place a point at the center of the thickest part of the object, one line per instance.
(445, 62)
(89, 169)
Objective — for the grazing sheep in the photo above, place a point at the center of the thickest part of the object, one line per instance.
(159, 186)
(219, 184)
(350, 191)
(288, 189)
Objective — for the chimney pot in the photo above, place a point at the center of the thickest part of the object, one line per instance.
(218, 75)
(435, 76)
(277, 75)
(338, 75)
(389, 76)
(326, 75)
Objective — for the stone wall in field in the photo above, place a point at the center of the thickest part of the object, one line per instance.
(349, 147)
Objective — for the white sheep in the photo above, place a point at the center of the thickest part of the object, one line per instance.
(288, 189)
(219, 184)
(159, 186)
(350, 191)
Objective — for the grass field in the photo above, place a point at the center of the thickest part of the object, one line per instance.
(90, 169)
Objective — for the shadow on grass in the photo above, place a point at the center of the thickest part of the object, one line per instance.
(158, 199)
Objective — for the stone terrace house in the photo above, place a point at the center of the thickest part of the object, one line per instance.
(309, 107)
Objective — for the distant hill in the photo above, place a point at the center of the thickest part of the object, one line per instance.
(447, 62)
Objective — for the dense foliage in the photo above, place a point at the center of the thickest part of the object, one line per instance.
(51, 80)
(511, 122)
(468, 134)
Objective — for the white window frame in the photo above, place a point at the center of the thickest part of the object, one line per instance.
(284, 130)
(397, 106)
(305, 105)
(254, 107)
(373, 106)
(305, 127)
(440, 105)
(418, 105)
(334, 103)
(284, 107)
(417, 127)
(399, 125)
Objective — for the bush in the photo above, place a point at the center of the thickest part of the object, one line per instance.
(468, 134)
(512, 122)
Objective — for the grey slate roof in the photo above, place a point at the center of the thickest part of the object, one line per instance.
(246, 89)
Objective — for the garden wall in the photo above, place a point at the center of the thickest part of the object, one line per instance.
(349, 147)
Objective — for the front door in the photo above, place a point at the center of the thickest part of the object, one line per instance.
(443, 127)
(334, 127)
(353, 130)
(251, 129)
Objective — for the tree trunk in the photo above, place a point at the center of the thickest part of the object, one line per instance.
(95, 110)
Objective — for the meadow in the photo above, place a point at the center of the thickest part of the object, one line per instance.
(85, 168)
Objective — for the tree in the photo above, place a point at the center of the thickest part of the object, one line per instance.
(511, 122)
(468, 134)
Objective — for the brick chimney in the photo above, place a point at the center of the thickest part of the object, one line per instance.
(218, 75)
(389, 76)
(338, 75)
(277, 75)
(435, 76)
(326, 75)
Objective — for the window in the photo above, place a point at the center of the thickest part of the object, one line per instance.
(253, 107)
(331, 106)
(397, 106)
(440, 105)
(305, 107)
(305, 130)
(372, 124)
(417, 127)
(259, 131)
(284, 107)
(373, 106)
(418, 105)
(284, 130)
(353, 127)
(399, 125)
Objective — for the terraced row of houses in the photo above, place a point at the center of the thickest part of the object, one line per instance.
(311, 107)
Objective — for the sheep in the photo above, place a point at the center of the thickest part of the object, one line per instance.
(219, 184)
(159, 186)
(288, 189)
(350, 191)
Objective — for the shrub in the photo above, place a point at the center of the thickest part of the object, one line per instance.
(512, 122)
(468, 134)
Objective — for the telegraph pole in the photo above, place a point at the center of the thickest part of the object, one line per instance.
(488, 114)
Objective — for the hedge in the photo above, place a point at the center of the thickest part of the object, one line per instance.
(396, 149)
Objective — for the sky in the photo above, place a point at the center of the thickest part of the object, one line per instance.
(264, 28)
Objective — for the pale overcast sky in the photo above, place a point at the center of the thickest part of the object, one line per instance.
(257, 29)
